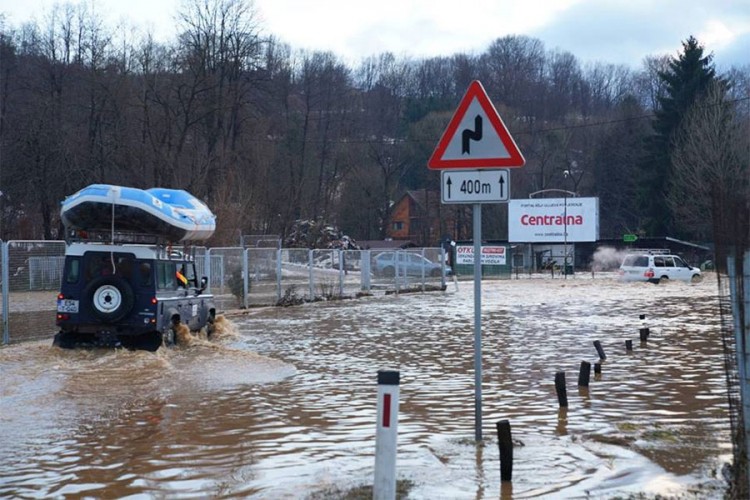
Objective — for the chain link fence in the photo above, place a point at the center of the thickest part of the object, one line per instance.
(238, 277)
(31, 272)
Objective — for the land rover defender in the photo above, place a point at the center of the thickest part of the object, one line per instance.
(129, 295)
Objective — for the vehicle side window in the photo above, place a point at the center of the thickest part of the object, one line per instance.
(669, 261)
(641, 261)
(659, 261)
(144, 274)
(165, 275)
(190, 273)
(72, 270)
(124, 266)
(678, 262)
(182, 275)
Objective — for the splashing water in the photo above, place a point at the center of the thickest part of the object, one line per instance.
(607, 259)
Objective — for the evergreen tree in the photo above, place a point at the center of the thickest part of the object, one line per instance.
(686, 80)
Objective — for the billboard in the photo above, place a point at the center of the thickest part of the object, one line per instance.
(548, 220)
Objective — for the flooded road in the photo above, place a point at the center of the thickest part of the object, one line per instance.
(285, 406)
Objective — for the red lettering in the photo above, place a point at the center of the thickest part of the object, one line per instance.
(551, 220)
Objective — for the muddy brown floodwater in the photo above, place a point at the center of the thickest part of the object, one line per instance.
(285, 406)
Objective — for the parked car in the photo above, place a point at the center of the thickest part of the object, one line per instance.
(658, 268)
(409, 264)
(132, 296)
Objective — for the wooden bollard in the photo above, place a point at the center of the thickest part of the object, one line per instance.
(629, 345)
(505, 443)
(584, 374)
(599, 350)
(597, 368)
(562, 391)
(645, 332)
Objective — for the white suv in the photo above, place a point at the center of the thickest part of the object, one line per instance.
(658, 268)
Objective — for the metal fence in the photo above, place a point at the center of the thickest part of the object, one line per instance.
(238, 277)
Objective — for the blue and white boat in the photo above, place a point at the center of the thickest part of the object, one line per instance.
(172, 214)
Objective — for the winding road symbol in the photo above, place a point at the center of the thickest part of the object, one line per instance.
(471, 135)
(476, 137)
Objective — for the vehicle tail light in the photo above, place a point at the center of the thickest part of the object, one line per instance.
(63, 317)
(60, 296)
(154, 301)
(649, 273)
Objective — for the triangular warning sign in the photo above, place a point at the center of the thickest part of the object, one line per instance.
(476, 137)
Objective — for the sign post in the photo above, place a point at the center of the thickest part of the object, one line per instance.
(474, 153)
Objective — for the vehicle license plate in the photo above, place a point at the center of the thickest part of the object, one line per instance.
(67, 306)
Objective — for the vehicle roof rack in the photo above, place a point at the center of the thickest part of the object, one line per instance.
(165, 248)
(116, 237)
(650, 251)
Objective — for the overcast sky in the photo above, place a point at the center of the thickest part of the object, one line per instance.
(611, 31)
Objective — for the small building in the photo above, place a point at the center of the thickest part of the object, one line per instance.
(420, 216)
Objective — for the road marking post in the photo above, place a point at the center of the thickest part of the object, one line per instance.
(584, 374)
(384, 486)
(600, 350)
(505, 442)
(561, 389)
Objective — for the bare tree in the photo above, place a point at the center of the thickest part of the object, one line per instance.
(710, 162)
(649, 87)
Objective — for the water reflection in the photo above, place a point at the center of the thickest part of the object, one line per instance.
(287, 407)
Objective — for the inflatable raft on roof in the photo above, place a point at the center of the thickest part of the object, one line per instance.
(172, 214)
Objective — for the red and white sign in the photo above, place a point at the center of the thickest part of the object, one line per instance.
(547, 220)
(476, 136)
(491, 256)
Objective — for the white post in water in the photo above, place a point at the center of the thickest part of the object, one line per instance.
(384, 487)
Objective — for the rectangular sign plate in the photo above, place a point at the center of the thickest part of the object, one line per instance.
(475, 186)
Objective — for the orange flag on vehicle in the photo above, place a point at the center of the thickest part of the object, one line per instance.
(182, 278)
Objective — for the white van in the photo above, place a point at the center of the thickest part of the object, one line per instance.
(658, 269)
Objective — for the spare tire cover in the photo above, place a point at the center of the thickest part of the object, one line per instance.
(110, 297)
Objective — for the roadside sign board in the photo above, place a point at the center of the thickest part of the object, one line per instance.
(490, 256)
(476, 137)
(629, 238)
(475, 186)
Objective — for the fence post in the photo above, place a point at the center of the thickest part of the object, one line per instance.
(442, 268)
(738, 286)
(278, 275)
(207, 268)
(6, 293)
(245, 278)
(310, 263)
(341, 272)
(424, 277)
(397, 256)
(384, 486)
(365, 259)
